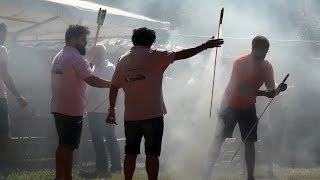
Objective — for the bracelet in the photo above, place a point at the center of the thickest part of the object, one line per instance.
(113, 110)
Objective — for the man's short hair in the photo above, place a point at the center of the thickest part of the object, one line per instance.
(143, 37)
(76, 31)
(260, 41)
(3, 27)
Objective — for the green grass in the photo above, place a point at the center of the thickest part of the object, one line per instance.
(280, 174)
(49, 175)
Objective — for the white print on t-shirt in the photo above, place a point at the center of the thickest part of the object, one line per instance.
(57, 69)
(134, 75)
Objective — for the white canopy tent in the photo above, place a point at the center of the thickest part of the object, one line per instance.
(43, 20)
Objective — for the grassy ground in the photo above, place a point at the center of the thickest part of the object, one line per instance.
(280, 173)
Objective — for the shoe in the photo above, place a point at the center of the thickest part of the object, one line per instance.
(251, 178)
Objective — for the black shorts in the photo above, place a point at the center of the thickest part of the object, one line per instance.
(4, 118)
(150, 129)
(69, 130)
(246, 118)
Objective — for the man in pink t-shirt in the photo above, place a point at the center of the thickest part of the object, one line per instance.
(5, 82)
(140, 72)
(69, 75)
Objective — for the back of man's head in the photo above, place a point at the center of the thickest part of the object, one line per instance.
(99, 54)
(143, 37)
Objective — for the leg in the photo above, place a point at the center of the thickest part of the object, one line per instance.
(133, 136)
(97, 127)
(69, 131)
(129, 166)
(213, 155)
(224, 129)
(113, 147)
(152, 167)
(60, 163)
(248, 123)
(68, 163)
(153, 133)
(268, 148)
(64, 157)
(250, 157)
(4, 131)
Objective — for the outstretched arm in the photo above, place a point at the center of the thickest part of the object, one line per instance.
(187, 53)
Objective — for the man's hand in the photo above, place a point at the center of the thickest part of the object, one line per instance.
(212, 43)
(111, 118)
(91, 65)
(271, 94)
(22, 101)
(282, 87)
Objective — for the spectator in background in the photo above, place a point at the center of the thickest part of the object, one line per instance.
(6, 82)
(103, 135)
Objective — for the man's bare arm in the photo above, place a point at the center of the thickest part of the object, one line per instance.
(6, 78)
(97, 82)
(187, 53)
(113, 96)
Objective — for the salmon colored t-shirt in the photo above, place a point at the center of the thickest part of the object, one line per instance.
(140, 72)
(247, 72)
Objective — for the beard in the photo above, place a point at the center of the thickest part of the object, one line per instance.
(81, 49)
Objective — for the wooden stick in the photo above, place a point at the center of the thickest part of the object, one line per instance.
(100, 20)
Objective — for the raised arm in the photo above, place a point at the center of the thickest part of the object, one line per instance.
(187, 53)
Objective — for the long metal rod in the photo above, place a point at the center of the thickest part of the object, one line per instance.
(215, 60)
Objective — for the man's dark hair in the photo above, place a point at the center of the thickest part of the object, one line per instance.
(76, 31)
(3, 27)
(259, 41)
(143, 37)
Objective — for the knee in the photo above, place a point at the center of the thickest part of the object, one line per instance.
(152, 157)
(249, 145)
(131, 156)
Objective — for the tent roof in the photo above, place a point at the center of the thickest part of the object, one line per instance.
(30, 20)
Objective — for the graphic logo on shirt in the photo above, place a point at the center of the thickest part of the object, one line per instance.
(133, 78)
(56, 71)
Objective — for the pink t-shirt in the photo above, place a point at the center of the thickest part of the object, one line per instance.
(140, 72)
(3, 62)
(69, 69)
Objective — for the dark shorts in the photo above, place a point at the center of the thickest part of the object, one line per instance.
(4, 118)
(69, 130)
(246, 118)
(150, 129)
